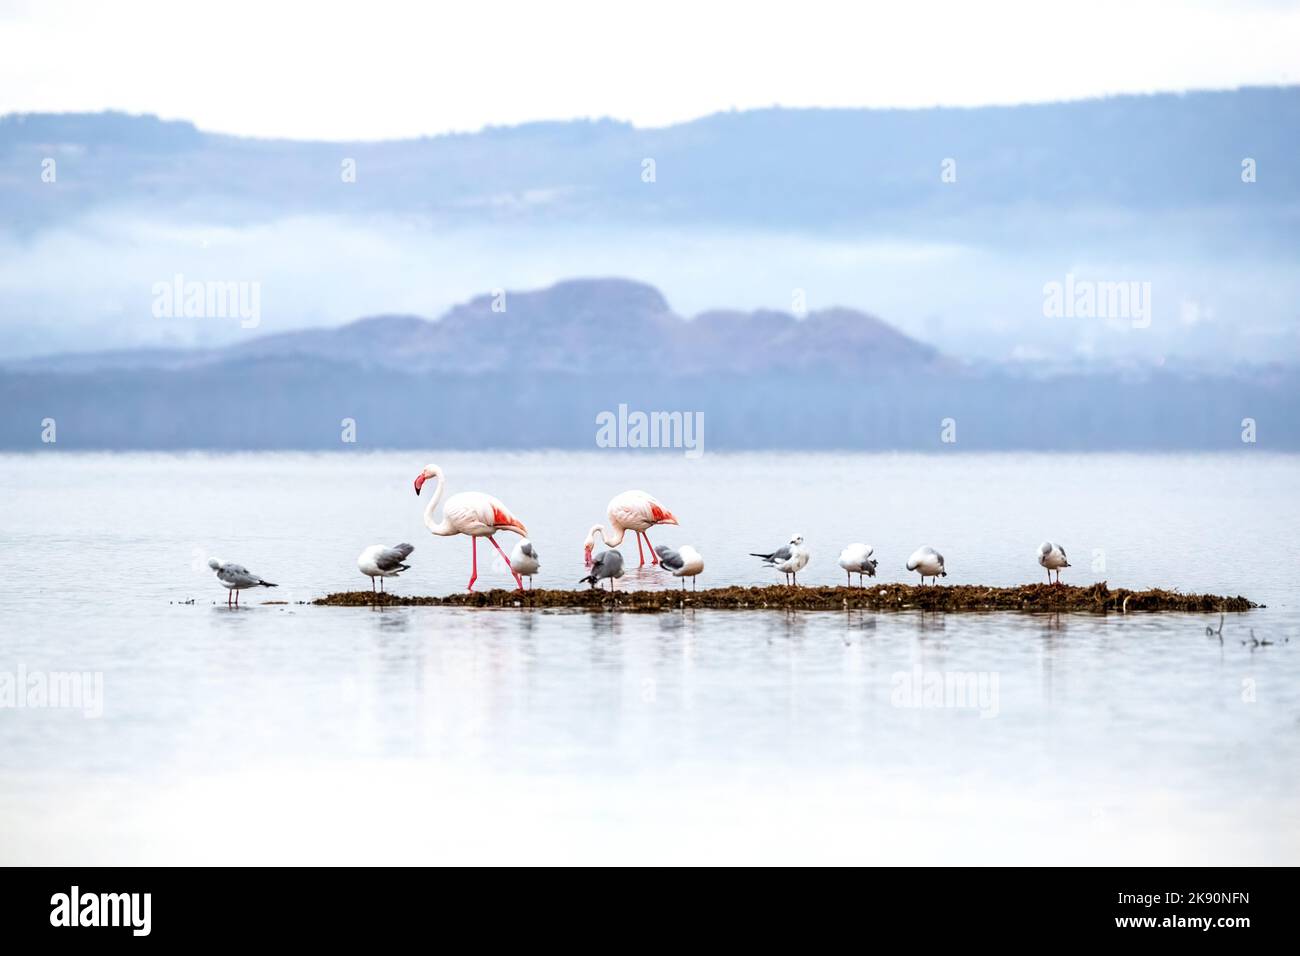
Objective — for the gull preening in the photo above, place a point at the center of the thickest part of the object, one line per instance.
(789, 559)
(857, 559)
(631, 511)
(524, 560)
(684, 563)
(235, 578)
(608, 565)
(380, 562)
(469, 513)
(1052, 557)
(927, 561)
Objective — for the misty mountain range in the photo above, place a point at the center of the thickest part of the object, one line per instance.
(745, 210)
(536, 369)
(787, 168)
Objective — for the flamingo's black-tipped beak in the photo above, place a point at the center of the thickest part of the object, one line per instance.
(419, 483)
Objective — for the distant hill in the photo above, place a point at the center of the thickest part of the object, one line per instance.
(735, 209)
(774, 168)
(582, 327)
(539, 373)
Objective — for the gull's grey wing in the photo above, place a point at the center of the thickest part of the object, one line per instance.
(669, 558)
(238, 575)
(390, 559)
(607, 564)
(527, 548)
(780, 554)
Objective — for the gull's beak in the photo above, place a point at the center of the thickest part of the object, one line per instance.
(419, 483)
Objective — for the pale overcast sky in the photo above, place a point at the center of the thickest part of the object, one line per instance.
(373, 69)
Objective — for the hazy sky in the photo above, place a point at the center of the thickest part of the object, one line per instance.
(375, 69)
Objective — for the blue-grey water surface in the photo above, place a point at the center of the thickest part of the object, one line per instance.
(291, 733)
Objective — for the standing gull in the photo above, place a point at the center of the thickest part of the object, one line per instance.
(377, 561)
(789, 559)
(857, 559)
(524, 561)
(684, 563)
(1052, 557)
(929, 562)
(236, 577)
(606, 565)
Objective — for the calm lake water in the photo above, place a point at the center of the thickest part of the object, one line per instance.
(289, 733)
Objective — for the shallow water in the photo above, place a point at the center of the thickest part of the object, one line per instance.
(289, 733)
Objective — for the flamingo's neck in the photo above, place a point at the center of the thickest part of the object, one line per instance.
(613, 538)
(442, 527)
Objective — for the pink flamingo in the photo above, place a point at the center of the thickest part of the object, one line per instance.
(630, 511)
(472, 513)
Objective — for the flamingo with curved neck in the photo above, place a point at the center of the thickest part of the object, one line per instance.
(611, 540)
(630, 511)
(470, 513)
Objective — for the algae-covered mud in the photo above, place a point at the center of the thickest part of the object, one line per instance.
(1097, 598)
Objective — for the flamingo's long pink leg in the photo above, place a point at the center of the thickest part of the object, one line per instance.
(473, 574)
(518, 580)
(640, 554)
(654, 557)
